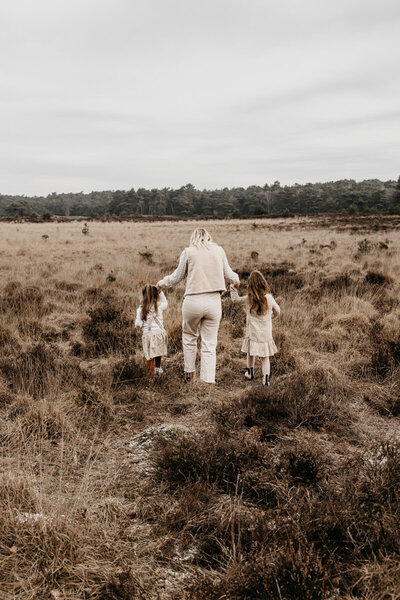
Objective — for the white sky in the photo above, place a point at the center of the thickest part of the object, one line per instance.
(114, 94)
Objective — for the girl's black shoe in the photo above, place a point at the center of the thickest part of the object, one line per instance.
(249, 373)
(266, 380)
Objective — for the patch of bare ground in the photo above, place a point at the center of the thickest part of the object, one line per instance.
(114, 487)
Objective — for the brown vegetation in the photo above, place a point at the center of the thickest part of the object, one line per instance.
(113, 487)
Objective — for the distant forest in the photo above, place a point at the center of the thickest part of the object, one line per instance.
(346, 196)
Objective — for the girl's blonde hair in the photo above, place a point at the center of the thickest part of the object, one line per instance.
(150, 299)
(200, 237)
(257, 287)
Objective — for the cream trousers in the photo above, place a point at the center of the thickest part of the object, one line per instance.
(201, 315)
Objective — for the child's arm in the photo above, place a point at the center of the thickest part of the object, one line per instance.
(163, 302)
(275, 305)
(235, 296)
(139, 322)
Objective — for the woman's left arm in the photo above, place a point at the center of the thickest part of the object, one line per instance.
(228, 273)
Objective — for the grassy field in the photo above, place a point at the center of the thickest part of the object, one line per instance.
(113, 487)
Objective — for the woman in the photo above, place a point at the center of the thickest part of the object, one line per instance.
(206, 267)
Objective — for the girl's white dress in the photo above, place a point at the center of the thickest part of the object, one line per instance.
(154, 339)
(258, 339)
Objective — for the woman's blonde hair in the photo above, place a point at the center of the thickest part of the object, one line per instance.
(257, 287)
(200, 237)
(150, 299)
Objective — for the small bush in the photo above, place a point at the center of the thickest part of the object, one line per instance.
(23, 300)
(364, 246)
(44, 421)
(386, 398)
(303, 465)
(108, 329)
(146, 255)
(97, 399)
(225, 463)
(34, 369)
(311, 398)
(385, 354)
(122, 585)
(282, 278)
(128, 371)
(378, 279)
(291, 573)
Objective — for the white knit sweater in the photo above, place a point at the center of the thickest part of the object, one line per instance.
(182, 271)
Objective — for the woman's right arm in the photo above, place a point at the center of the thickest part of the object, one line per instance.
(228, 273)
(179, 273)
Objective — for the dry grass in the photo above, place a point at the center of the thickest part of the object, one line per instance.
(115, 488)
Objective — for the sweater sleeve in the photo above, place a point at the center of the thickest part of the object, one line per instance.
(163, 302)
(235, 296)
(179, 273)
(139, 322)
(274, 304)
(228, 273)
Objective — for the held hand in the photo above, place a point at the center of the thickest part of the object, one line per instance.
(237, 285)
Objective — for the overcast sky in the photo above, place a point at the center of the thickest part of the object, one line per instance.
(115, 94)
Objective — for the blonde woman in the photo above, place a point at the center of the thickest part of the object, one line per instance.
(206, 267)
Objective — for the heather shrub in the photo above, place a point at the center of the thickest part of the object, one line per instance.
(311, 398)
(377, 279)
(385, 355)
(229, 464)
(97, 399)
(290, 573)
(108, 328)
(33, 370)
(302, 464)
(21, 300)
(128, 371)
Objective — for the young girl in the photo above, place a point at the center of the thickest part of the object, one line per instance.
(259, 306)
(149, 318)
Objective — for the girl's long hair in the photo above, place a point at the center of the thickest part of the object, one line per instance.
(257, 287)
(150, 299)
(200, 238)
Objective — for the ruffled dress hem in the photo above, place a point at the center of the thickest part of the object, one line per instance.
(261, 349)
(154, 344)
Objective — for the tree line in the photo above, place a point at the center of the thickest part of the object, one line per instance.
(346, 196)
